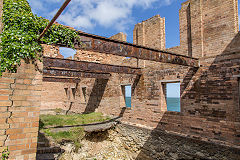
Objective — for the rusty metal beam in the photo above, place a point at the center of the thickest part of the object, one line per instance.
(60, 79)
(73, 74)
(109, 46)
(81, 66)
(54, 18)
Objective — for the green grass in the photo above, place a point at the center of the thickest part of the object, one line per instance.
(68, 120)
(74, 135)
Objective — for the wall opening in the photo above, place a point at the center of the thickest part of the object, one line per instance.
(127, 93)
(84, 95)
(239, 92)
(173, 97)
(67, 53)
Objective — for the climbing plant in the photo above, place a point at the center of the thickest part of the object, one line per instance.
(20, 32)
(5, 154)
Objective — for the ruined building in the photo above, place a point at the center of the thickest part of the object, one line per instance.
(206, 64)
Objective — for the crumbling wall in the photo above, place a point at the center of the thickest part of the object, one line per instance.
(157, 144)
(209, 94)
(120, 36)
(207, 27)
(20, 95)
(150, 33)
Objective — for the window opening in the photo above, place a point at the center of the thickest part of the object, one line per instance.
(128, 95)
(67, 53)
(239, 92)
(74, 92)
(173, 97)
(84, 94)
(67, 93)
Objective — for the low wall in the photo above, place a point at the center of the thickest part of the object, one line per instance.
(157, 144)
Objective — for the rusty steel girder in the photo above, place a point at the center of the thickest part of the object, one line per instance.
(60, 79)
(72, 74)
(70, 67)
(104, 45)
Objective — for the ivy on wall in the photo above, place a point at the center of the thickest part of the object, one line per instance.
(20, 32)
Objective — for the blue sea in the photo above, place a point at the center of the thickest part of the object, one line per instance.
(173, 104)
(128, 101)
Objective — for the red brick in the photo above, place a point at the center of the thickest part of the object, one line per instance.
(33, 145)
(3, 120)
(3, 137)
(18, 98)
(4, 98)
(4, 126)
(20, 86)
(35, 124)
(14, 131)
(6, 80)
(5, 114)
(31, 119)
(14, 153)
(15, 120)
(5, 103)
(3, 109)
(28, 151)
(31, 135)
(19, 114)
(17, 109)
(22, 92)
(27, 81)
(30, 109)
(30, 130)
(17, 103)
(5, 91)
(24, 125)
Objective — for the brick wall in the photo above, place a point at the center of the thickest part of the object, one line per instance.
(150, 33)
(20, 105)
(209, 94)
(120, 36)
(208, 97)
(207, 27)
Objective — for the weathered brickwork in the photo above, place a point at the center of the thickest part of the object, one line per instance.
(209, 94)
(207, 27)
(20, 107)
(120, 36)
(150, 33)
(210, 108)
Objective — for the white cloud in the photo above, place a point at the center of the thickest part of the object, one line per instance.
(87, 14)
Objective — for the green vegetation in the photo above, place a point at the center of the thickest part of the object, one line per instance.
(5, 154)
(68, 120)
(74, 135)
(20, 33)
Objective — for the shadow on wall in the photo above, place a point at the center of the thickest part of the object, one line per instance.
(96, 95)
(98, 92)
(209, 96)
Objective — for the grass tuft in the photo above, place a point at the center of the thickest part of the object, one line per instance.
(74, 135)
(68, 120)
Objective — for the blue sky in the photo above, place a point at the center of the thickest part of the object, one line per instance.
(173, 90)
(109, 17)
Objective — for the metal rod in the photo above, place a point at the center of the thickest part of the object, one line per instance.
(54, 18)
